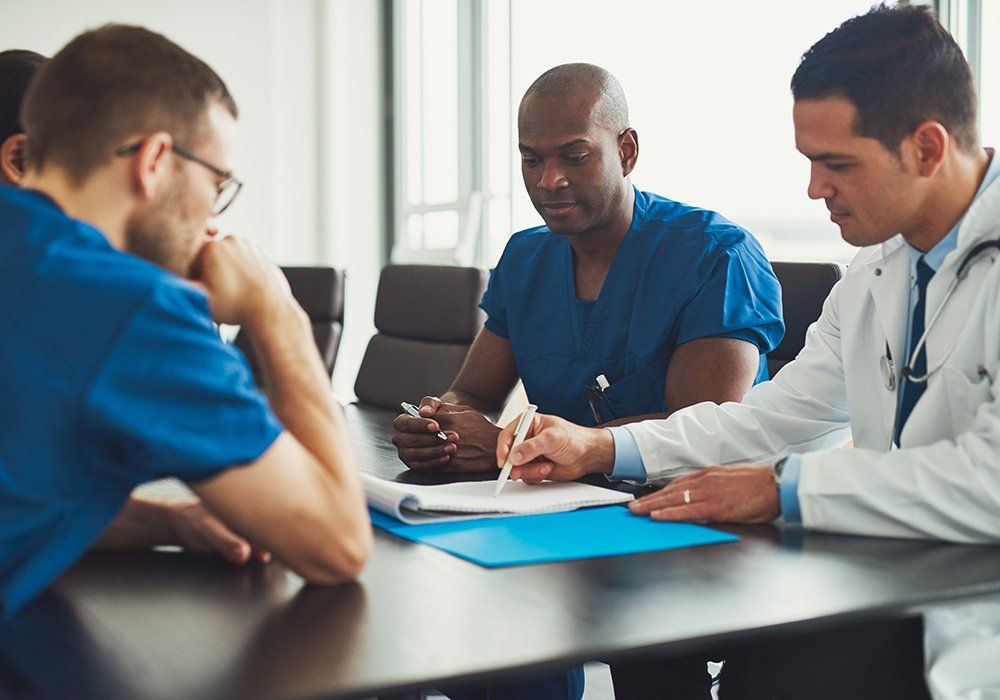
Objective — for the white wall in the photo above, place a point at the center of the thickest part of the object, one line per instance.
(306, 77)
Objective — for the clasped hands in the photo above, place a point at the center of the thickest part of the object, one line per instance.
(470, 447)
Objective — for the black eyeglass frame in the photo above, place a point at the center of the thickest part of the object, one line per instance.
(228, 179)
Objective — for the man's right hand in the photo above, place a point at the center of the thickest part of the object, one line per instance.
(242, 284)
(556, 449)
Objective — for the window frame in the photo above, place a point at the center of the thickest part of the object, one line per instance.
(475, 192)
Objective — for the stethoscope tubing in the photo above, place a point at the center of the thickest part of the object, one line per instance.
(889, 376)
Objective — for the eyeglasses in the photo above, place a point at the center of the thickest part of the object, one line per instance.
(226, 190)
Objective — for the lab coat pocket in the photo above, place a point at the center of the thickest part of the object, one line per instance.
(964, 396)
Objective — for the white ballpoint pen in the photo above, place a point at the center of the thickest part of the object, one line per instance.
(519, 433)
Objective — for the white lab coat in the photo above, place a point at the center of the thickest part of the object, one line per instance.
(944, 481)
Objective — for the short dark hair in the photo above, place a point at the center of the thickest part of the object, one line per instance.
(899, 67)
(17, 68)
(108, 84)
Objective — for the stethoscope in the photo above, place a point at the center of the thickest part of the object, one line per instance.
(887, 366)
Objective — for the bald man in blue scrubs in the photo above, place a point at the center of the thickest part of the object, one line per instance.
(670, 304)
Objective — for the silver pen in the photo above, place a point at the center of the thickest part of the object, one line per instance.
(415, 412)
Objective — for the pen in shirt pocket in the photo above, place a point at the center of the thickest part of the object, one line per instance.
(595, 393)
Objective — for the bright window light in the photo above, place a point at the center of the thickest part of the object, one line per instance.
(708, 91)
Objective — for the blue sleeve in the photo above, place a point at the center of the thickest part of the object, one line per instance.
(172, 399)
(789, 490)
(493, 304)
(739, 298)
(628, 461)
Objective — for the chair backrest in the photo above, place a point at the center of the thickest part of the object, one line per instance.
(426, 317)
(320, 292)
(804, 288)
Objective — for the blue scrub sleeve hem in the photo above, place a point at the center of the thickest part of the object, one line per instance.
(496, 328)
(789, 490)
(628, 461)
(764, 342)
(272, 432)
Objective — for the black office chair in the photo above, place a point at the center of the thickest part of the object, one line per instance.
(804, 288)
(426, 317)
(320, 292)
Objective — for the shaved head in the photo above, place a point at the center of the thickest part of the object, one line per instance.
(579, 80)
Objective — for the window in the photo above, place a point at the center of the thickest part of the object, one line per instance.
(976, 27)
(452, 137)
(989, 73)
(708, 90)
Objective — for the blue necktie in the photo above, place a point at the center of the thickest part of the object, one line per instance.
(912, 391)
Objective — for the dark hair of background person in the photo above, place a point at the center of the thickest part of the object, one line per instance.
(899, 67)
(17, 68)
(110, 84)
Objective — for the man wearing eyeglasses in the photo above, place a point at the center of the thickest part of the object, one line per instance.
(111, 369)
(183, 522)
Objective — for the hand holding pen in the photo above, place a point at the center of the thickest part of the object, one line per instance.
(469, 442)
(415, 412)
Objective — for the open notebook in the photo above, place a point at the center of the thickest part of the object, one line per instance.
(466, 500)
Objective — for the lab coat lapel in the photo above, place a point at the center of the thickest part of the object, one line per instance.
(889, 278)
(890, 288)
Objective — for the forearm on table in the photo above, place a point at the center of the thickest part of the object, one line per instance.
(488, 408)
(140, 524)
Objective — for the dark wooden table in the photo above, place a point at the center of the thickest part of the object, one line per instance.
(176, 625)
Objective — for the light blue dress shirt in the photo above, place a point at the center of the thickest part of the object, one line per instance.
(628, 460)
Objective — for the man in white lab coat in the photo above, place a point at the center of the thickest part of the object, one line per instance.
(903, 361)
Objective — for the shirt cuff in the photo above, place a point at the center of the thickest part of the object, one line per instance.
(628, 461)
(789, 490)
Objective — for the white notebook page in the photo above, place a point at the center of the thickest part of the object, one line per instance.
(476, 499)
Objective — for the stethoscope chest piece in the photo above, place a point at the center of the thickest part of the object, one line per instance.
(888, 373)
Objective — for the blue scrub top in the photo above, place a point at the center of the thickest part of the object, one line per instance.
(111, 375)
(681, 273)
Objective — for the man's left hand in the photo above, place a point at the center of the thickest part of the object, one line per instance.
(733, 494)
(197, 530)
(143, 523)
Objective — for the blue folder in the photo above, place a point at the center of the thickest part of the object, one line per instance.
(533, 539)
